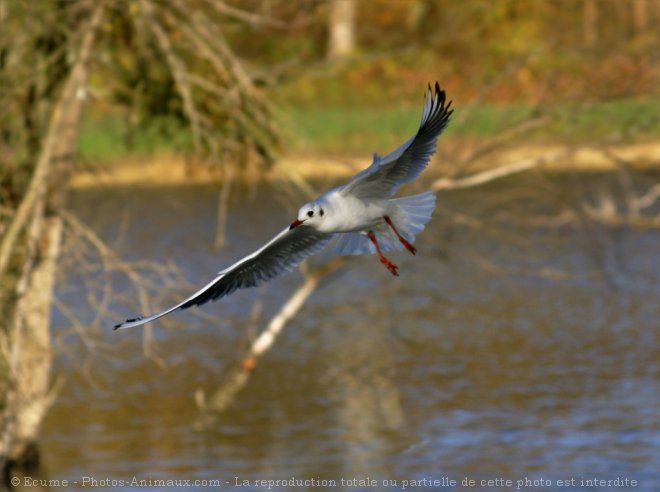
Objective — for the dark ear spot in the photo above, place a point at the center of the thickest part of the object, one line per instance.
(321, 212)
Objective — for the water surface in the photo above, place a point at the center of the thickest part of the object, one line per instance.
(507, 349)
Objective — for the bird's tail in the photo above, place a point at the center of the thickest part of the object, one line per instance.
(410, 214)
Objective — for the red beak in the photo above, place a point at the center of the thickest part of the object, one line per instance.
(296, 223)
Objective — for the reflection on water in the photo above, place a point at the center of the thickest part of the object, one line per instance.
(504, 350)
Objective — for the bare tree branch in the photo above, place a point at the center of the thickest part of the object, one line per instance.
(649, 198)
(220, 239)
(499, 172)
(239, 377)
(63, 115)
(109, 258)
(245, 16)
(503, 137)
(178, 70)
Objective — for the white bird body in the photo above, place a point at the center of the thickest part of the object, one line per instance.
(348, 213)
(362, 216)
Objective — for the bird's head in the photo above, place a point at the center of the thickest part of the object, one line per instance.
(311, 213)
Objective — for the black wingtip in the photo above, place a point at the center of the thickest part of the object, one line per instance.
(119, 325)
(448, 109)
(440, 94)
(439, 100)
(438, 114)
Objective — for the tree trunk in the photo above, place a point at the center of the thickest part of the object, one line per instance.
(341, 20)
(30, 343)
(640, 16)
(590, 23)
(28, 261)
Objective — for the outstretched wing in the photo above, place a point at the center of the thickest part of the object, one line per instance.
(385, 174)
(283, 253)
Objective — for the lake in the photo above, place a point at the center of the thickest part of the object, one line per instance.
(517, 351)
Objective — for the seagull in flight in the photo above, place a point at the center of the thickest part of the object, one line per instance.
(362, 216)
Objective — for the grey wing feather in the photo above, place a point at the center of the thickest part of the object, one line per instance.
(384, 176)
(283, 253)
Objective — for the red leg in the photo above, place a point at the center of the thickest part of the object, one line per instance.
(408, 246)
(388, 264)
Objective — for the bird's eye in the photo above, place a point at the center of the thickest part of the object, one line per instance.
(321, 212)
(310, 213)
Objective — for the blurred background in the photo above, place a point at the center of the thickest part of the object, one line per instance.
(145, 145)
